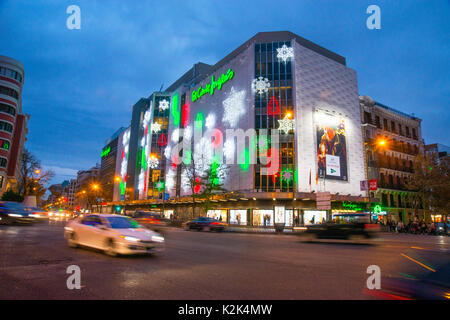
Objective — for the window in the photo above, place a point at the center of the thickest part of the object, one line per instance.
(393, 127)
(9, 92)
(385, 124)
(91, 221)
(378, 122)
(6, 126)
(7, 109)
(4, 144)
(11, 74)
(3, 162)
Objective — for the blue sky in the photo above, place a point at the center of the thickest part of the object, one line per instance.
(80, 85)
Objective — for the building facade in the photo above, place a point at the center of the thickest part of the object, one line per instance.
(392, 140)
(107, 174)
(13, 123)
(279, 114)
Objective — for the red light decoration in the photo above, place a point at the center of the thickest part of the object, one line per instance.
(185, 115)
(174, 161)
(216, 138)
(197, 185)
(162, 141)
(270, 107)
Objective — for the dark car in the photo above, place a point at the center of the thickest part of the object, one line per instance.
(152, 220)
(415, 282)
(205, 224)
(441, 229)
(344, 226)
(14, 212)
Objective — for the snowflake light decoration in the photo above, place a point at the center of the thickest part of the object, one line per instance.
(260, 85)
(285, 53)
(287, 175)
(153, 163)
(163, 105)
(159, 185)
(156, 127)
(234, 107)
(286, 125)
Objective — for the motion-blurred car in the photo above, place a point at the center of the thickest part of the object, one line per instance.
(150, 219)
(440, 230)
(114, 234)
(417, 284)
(205, 224)
(38, 213)
(346, 226)
(14, 212)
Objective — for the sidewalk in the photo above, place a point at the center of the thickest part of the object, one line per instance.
(261, 230)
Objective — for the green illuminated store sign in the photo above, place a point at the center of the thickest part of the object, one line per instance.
(105, 152)
(353, 206)
(213, 85)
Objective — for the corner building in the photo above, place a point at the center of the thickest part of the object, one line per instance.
(273, 79)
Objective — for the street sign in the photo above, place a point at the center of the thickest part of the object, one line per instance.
(373, 185)
(323, 201)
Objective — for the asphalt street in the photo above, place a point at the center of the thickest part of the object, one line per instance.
(201, 265)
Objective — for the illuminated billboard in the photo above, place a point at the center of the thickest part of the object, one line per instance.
(331, 147)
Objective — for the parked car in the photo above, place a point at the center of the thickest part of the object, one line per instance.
(345, 226)
(14, 212)
(38, 213)
(205, 224)
(114, 234)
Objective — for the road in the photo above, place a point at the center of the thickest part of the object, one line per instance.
(200, 265)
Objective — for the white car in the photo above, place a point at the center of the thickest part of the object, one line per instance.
(114, 234)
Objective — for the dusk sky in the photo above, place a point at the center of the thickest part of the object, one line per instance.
(80, 85)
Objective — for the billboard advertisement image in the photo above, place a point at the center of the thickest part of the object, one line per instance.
(331, 148)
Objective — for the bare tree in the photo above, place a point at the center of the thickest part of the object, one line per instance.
(32, 179)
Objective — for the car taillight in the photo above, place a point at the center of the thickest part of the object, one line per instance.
(372, 227)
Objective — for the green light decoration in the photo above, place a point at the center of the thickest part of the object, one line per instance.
(199, 120)
(174, 110)
(122, 188)
(377, 209)
(214, 166)
(212, 86)
(287, 175)
(143, 162)
(105, 152)
(244, 159)
(187, 157)
(159, 185)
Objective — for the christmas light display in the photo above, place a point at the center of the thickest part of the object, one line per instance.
(228, 150)
(234, 107)
(156, 127)
(162, 141)
(176, 135)
(260, 85)
(285, 53)
(153, 162)
(163, 105)
(273, 107)
(286, 125)
(159, 185)
(187, 133)
(167, 152)
(287, 175)
(210, 121)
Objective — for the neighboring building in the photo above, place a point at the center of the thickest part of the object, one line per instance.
(273, 81)
(56, 192)
(85, 181)
(391, 162)
(70, 190)
(437, 150)
(13, 123)
(108, 165)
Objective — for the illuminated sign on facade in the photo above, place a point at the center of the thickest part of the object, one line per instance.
(105, 152)
(211, 87)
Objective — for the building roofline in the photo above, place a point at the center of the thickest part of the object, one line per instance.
(378, 104)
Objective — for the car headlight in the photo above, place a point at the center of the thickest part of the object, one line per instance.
(14, 215)
(128, 238)
(157, 239)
